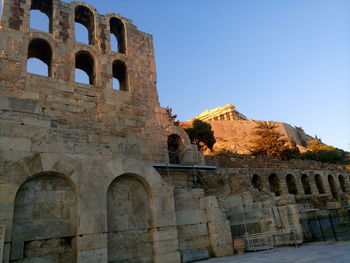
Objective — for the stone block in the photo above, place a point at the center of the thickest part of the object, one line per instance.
(214, 214)
(210, 202)
(165, 246)
(17, 250)
(194, 256)
(224, 250)
(93, 256)
(192, 231)
(164, 233)
(219, 227)
(162, 204)
(15, 144)
(218, 239)
(195, 243)
(92, 241)
(188, 217)
(162, 219)
(167, 258)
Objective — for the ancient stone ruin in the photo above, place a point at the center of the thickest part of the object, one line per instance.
(93, 174)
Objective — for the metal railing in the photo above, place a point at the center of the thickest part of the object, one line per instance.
(325, 225)
(273, 239)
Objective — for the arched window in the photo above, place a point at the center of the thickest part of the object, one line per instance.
(120, 76)
(117, 33)
(174, 148)
(306, 184)
(292, 188)
(39, 54)
(84, 62)
(274, 184)
(41, 15)
(342, 183)
(85, 17)
(256, 182)
(332, 186)
(319, 184)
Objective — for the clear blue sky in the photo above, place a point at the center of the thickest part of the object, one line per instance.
(275, 60)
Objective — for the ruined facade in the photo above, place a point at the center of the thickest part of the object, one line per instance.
(93, 174)
(76, 177)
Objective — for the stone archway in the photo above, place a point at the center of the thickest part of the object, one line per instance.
(275, 184)
(256, 182)
(128, 221)
(45, 220)
(292, 188)
(159, 218)
(306, 184)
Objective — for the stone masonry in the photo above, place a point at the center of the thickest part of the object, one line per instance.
(76, 176)
(92, 174)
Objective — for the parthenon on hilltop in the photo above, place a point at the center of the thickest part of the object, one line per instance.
(91, 174)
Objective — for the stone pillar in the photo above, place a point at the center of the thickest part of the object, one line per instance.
(299, 185)
(312, 183)
(219, 228)
(283, 184)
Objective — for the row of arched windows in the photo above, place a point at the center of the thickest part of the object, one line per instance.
(41, 19)
(40, 57)
(275, 184)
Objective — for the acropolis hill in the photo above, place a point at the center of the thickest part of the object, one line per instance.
(234, 131)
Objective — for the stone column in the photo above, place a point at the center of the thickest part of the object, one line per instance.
(283, 184)
(219, 228)
(312, 183)
(299, 185)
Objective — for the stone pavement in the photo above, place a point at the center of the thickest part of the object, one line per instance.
(310, 253)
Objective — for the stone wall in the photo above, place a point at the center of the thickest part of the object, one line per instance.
(265, 199)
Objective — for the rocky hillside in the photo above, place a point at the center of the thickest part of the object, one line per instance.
(236, 135)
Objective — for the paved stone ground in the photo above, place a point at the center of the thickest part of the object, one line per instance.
(308, 253)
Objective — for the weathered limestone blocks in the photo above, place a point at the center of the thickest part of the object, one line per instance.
(219, 228)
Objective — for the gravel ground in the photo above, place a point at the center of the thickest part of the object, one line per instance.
(308, 253)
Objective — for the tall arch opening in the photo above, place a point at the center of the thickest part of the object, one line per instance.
(292, 188)
(319, 184)
(174, 148)
(84, 16)
(306, 184)
(117, 28)
(129, 221)
(120, 76)
(274, 183)
(256, 182)
(85, 63)
(41, 15)
(342, 183)
(39, 57)
(44, 222)
(332, 186)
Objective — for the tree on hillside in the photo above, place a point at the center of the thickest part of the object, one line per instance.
(269, 142)
(171, 117)
(318, 151)
(201, 134)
